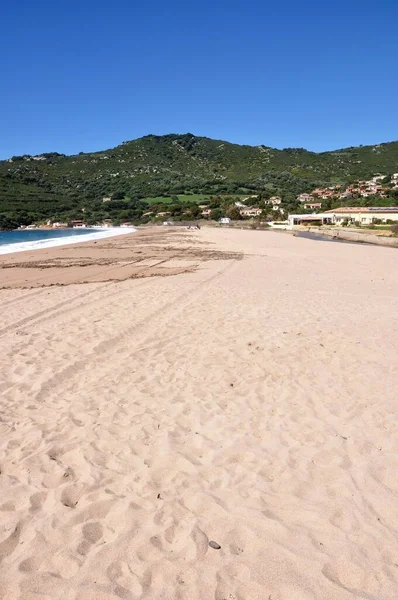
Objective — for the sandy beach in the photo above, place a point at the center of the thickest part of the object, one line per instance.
(205, 415)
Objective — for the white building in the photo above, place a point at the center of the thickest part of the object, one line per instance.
(306, 219)
(363, 215)
(274, 200)
(250, 212)
(313, 205)
(305, 198)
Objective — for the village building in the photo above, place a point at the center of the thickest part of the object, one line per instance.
(305, 198)
(365, 215)
(313, 205)
(344, 195)
(275, 200)
(206, 212)
(362, 215)
(250, 212)
(58, 225)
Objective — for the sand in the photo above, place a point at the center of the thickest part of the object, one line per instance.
(248, 399)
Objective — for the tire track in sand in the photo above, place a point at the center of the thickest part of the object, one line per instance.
(101, 351)
(35, 318)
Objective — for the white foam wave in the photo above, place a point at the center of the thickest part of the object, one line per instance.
(97, 234)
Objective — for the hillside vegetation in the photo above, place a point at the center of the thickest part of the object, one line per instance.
(64, 187)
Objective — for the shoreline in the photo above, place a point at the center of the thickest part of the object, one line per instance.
(95, 234)
(145, 252)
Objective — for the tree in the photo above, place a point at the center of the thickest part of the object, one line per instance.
(7, 223)
(233, 213)
(118, 195)
(195, 211)
(216, 214)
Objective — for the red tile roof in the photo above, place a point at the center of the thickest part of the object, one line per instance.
(364, 209)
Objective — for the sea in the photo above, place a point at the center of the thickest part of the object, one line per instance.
(33, 239)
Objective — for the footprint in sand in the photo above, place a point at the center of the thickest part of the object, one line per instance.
(92, 532)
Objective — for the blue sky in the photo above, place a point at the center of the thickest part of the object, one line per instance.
(84, 76)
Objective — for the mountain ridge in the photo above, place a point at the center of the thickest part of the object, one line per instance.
(161, 136)
(53, 184)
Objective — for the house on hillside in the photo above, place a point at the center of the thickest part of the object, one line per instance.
(313, 205)
(346, 194)
(250, 212)
(224, 221)
(305, 198)
(274, 200)
(323, 193)
(58, 225)
(206, 212)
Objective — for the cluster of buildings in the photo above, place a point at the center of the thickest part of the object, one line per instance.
(363, 189)
(247, 211)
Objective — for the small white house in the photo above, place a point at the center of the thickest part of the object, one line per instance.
(224, 221)
(305, 198)
(206, 212)
(250, 212)
(274, 200)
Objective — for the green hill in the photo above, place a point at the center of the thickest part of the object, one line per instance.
(55, 185)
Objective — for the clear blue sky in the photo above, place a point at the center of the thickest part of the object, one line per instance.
(84, 75)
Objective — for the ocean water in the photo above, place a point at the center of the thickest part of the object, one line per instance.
(33, 239)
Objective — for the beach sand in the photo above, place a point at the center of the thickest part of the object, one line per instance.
(175, 388)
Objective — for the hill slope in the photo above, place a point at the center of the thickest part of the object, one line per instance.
(59, 185)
